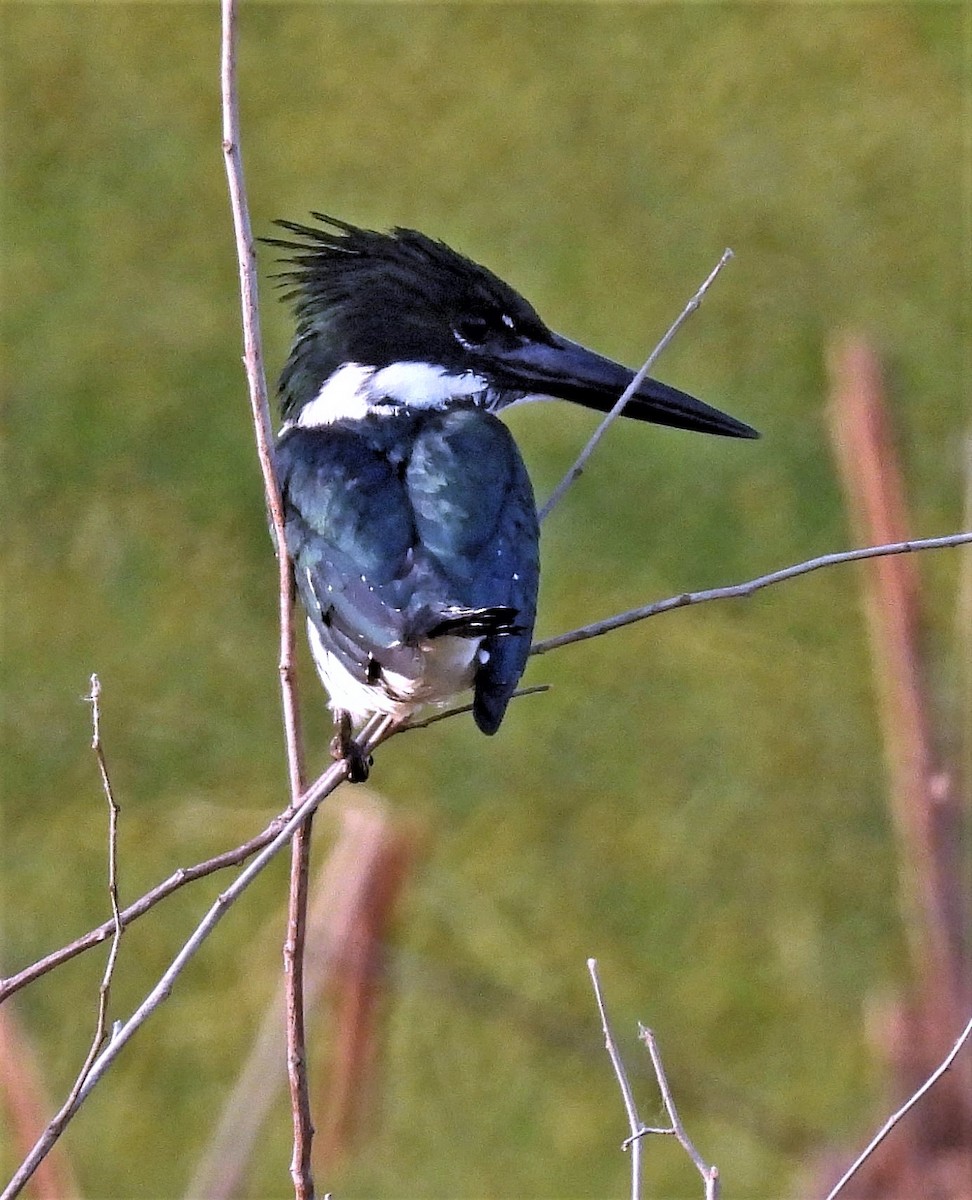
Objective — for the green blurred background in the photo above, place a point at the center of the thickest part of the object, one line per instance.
(699, 801)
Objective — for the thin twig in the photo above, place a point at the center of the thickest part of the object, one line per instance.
(582, 459)
(253, 354)
(890, 1123)
(536, 690)
(113, 814)
(178, 879)
(745, 589)
(710, 1174)
(124, 1031)
(300, 852)
(240, 854)
(104, 990)
(58, 1122)
(634, 1121)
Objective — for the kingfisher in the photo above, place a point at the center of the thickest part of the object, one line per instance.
(409, 515)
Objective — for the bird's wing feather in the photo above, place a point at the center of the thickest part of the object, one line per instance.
(349, 534)
(387, 542)
(474, 510)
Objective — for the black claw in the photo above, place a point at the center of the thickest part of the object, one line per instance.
(345, 749)
(359, 763)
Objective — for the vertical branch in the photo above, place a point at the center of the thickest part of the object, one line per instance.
(104, 990)
(259, 404)
(59, 1121)
(300, 1163)
(113, 814)
(300, 849)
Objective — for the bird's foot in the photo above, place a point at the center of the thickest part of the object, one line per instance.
(345, 749)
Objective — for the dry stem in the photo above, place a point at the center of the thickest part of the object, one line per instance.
(710, 1175)
(300, 852)
(583, 458)
(635, 1123)
(895, 1117)
(57, 1123)
(122, 1033)
(240, 854)
(738, 590)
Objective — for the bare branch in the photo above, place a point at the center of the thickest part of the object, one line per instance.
(113, 814)
(253, 354)
(745, 589)
(634, 1121)
(372, 736)
(583, 458)
(297, 1076)
(357, 866)
(253, 362)
(58, 1122)
(890, 1123)
(710, 1175)
(537, 690)
(300, 853)
(178, 879)
(241, 853)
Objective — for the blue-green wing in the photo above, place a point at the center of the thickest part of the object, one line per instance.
(394, 523)
(474, 510)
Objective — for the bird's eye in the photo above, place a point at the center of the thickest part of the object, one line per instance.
(472, 330)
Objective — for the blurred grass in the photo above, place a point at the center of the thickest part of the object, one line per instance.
(699, 802)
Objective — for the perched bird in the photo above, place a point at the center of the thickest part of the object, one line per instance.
(409, 514)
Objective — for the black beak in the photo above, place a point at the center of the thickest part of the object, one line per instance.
(567, 371)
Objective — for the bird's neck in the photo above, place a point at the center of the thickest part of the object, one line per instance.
(353, 391)
(310, 363)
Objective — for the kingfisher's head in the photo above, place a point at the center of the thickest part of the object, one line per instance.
(392, 320)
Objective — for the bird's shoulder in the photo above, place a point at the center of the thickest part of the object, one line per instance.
(343, 494)
(448, 481)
